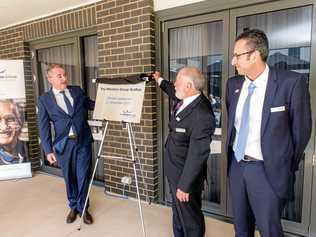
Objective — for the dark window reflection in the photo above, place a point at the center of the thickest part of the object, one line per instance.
(90, 69)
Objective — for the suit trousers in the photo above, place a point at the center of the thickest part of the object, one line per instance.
(188, 219)
(75, 163)
(254, 201)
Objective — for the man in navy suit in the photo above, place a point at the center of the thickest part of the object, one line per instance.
(269, 126)
(66, 107)
(187, 149)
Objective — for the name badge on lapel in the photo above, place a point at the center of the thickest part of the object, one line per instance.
(277, 109)
(181, 130)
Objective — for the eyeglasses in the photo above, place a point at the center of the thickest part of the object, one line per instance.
(237, 55)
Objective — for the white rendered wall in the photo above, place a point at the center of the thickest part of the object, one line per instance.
(165, 4)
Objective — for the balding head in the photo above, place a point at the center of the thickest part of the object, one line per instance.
(190, 81)
(195, 75)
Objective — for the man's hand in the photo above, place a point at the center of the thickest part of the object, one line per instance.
(182, 196)
(51, 158)
(156, 76)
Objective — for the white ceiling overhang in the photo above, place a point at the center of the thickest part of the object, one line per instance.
(14, 12)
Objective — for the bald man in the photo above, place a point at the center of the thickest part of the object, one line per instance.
(187, 149)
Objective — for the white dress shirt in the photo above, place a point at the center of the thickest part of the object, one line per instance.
(186, 101)
(62, 104)
(253, 145)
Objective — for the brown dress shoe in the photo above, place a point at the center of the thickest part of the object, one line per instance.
(72, 215)
(87, 218)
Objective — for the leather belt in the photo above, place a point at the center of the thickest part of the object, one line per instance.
(250, 159)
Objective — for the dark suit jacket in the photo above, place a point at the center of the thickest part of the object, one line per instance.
(188, 144)
(49, 111)
(284, 134)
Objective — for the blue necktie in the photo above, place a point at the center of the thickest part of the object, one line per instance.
(244, 126)
(68, 104)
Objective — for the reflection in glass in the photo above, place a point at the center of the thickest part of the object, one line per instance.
(289, 33)
(202, 46)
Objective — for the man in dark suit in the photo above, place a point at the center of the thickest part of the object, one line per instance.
(187, 149)
(66, 108)
(269, 126)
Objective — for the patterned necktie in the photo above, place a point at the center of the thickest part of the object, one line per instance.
(177, 106)
(68, 104)
(244, 126)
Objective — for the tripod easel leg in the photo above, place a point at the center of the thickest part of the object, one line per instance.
(136, 180)
(93, 173)
(141, 168)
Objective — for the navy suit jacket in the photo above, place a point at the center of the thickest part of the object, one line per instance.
(188, 144)
(284, 134)
(49, 111)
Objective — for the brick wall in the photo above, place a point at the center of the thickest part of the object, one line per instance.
(125, 31)
(126, 46)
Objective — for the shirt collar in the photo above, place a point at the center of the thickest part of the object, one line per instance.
(261, 79)
(56, 92)
(190, 99)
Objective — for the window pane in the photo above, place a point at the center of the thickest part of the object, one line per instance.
(63, 55)
(90, 73)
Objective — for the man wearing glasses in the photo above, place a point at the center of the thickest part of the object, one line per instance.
(269, 126)
(11, 149)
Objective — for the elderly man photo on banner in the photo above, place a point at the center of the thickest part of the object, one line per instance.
(187, 149)
(11, 147)
(67, 108)
(269, 126)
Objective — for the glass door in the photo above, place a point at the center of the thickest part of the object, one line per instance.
(202, 42)
(288, 27)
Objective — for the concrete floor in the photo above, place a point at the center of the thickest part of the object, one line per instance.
(37, 207)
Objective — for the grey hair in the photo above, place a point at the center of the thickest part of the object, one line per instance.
(52, 66)
(195, 76)
(15, 109)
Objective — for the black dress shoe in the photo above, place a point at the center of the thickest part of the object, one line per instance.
(72, 215)
(87, 218)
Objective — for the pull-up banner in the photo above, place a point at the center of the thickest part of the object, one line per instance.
(13, 125)
(119, 99)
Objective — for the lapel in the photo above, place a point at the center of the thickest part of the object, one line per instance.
(188, 109)
(268, 98)
(54, 102)
(234, 100)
